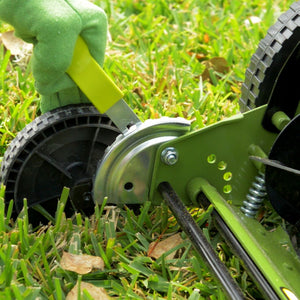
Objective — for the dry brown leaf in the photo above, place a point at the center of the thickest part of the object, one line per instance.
(96, 292)
(156, 250)
(81, 264)
(206, 38)
(199, 56)
(16, 46)
(218, 64)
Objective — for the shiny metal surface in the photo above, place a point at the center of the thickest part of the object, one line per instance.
(123, 116)
(169, 156)
(125, 171)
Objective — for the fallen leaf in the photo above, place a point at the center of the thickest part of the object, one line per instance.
(199, 56)
(156, 250)
(218, 64)
(81, 264)
(206, 38)
(16, 46)
(97, 293)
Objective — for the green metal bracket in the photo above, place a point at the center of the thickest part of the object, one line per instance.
(220, 154)
(264, 247)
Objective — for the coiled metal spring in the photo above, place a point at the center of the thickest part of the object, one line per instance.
(255, 196)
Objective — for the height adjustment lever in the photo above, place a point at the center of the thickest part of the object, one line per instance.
(99, 88)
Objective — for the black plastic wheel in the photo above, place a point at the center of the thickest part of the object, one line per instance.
(272, 73)
(272, 78)
(283, 187)
(59, 149)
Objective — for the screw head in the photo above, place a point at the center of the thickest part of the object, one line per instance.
(169, 156)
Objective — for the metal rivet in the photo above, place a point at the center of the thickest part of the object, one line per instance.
(169, 156)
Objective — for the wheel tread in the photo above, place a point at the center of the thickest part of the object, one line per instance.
(28, 135)
(32, 144)
(267, 57)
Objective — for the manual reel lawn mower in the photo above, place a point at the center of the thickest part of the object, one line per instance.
(234, 165)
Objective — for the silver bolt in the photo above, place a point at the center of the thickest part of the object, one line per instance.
(169, 156)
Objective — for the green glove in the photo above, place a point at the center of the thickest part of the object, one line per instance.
(53, 27)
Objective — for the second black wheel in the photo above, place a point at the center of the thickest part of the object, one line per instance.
(272, 74)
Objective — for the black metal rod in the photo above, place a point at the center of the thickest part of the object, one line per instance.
(199, 241)
(255, 273)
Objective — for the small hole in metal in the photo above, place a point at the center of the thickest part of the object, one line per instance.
(222, 165)
(227, 176)
(227, 189)
(211, 159)
(128, 186)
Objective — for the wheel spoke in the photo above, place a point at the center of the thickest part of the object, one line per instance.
(54, 163)
(49, 198)
(92, 149)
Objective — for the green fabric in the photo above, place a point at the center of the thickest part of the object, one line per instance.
(53, 27)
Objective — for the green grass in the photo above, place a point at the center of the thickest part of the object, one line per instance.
(156, 57)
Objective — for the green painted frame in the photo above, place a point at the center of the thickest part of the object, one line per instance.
(215, 160)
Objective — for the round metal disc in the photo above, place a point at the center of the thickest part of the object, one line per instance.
(283, 187)
(125, 171)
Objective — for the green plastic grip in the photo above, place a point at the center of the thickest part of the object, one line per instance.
(91, 78)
